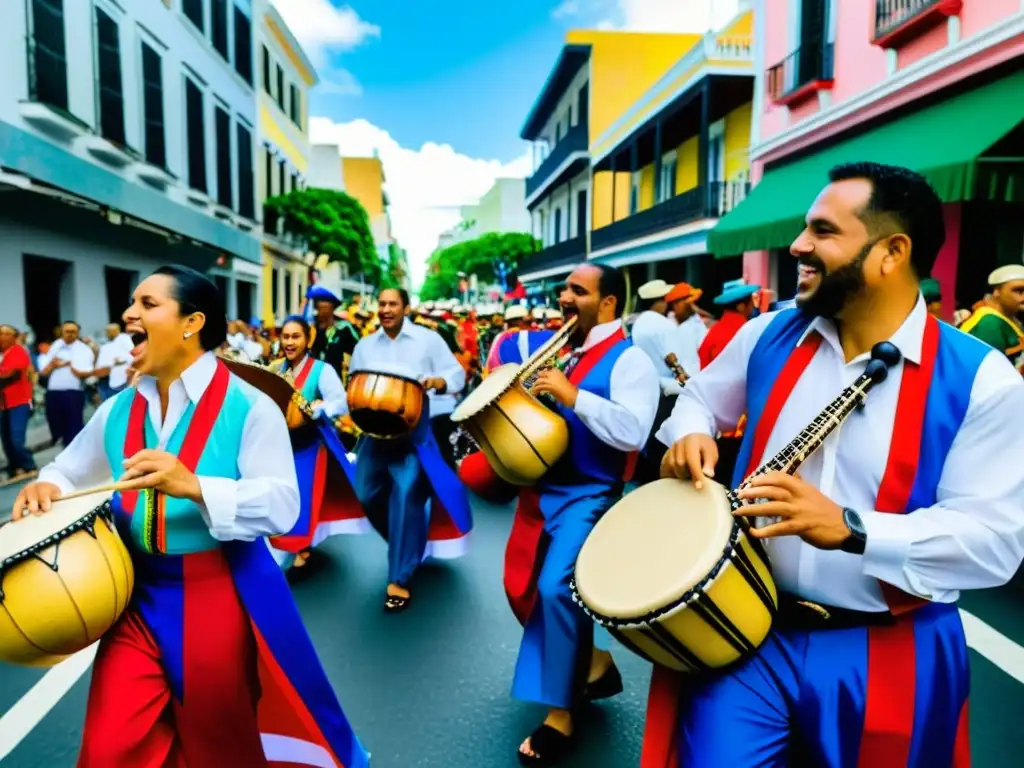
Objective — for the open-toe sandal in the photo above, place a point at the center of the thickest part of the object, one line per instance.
(396, 603)
(549, 746)
(607, 685)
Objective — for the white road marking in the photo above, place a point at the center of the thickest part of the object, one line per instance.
(994, 646)
(17, 722)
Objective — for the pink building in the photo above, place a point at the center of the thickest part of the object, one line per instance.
(934, 85)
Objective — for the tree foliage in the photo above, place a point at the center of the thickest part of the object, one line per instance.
(395, 273)
(480, 256)
(329, 223)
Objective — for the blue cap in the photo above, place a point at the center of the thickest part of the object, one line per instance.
(734, 291)
(319, 293)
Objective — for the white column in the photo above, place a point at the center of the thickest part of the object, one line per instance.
(760, 25)
(231, 300)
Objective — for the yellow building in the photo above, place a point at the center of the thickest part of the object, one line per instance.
(674, 160)
(285, 78)
(596, 78)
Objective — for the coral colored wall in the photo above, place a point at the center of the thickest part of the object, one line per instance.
(860, 65)
(946, 262)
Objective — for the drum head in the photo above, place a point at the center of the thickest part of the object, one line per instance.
(497, 381)
(29, 533)
(652, 547)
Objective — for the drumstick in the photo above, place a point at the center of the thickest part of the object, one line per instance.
(124, 485)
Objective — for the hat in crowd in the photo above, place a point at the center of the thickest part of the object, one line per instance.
(683, 291)
(931, 290)
(319, 293)
(735, 291)
(1006, 274)
(655, 289)
(516, 312)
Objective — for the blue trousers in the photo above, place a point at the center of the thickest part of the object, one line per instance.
(393, 489)
(13, 428)
(65, 412)
(554, 656)
(801, 700)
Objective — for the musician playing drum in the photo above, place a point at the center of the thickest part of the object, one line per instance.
(400, 481)
(872, 542)
(608, 395)
(212, 647)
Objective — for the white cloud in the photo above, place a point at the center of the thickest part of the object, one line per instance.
(323, 28)
(425, 186)
(692, 16)
(339, 82)
(566, 8)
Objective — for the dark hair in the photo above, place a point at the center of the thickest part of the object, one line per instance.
(71, 322)
(402, 294)
(195, 292)
(298, 320)
(904, 199)
(612, 283)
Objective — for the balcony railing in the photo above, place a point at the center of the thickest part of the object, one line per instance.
(710, 201)
(573, 141)
(894, 15)
(565, 253)
(810, 63)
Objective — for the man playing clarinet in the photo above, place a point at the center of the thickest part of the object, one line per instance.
(872, 542)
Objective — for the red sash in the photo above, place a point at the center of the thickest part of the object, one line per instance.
(199, 429)
(889, 710)
(300, 379)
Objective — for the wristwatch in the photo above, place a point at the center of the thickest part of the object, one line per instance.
(857, 541)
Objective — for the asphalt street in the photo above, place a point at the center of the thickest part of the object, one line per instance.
(430, 687)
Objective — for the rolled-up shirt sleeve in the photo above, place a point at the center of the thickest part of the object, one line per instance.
(973, 536)
(264, 501)
(334, 401)
(623, 421)
(715, 397)
(84, 463)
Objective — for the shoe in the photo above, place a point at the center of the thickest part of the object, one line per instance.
(607, 685)
(549, 745)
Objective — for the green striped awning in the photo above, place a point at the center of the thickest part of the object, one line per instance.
(944, 142)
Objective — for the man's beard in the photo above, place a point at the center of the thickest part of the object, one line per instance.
(837, 286)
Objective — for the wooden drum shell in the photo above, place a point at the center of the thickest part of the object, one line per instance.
(49, 613)
(521, 438)
(384, 405)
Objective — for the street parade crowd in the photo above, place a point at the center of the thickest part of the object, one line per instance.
(713, 490)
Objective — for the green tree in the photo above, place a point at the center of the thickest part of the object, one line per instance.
(397, 267)
(328, 223)
(479, 256)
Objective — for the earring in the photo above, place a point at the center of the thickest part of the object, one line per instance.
(188, 334)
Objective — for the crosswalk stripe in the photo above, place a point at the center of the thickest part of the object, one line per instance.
(994, 646)
(17, 722)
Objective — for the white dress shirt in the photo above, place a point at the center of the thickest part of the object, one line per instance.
(623, 421)
(689, 336)
(117, 349)
(658, 336)
(416, 353)
(972, 538)
(81, 357)
(263, 502)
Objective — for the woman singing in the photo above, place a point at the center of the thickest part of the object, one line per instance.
(210, 664)
(328, 504)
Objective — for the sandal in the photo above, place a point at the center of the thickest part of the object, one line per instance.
(396, 603)
(607, 685)
(549, 746)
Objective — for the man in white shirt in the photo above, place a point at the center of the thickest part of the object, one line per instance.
(411, 495)
(113, 361)
(682, 302)
(905, 505)
(608, 396)
(67, 364)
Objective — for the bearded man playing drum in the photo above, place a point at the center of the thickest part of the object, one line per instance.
(871, 544)
(210, 661)
(608, 395)
(410, 494)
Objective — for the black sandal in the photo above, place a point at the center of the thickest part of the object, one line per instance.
(607, 685)
(396, 603)
(549, 746)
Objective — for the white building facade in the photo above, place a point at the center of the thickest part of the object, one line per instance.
(132, 123)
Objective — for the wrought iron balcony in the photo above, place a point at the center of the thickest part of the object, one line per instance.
(566, 253)
(896, 19)
(710, 201)
(807, 69)
(573, 141)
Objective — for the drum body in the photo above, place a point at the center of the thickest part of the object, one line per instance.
(672, 574)
(521, 438)
(384, 405)
(65, 579)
